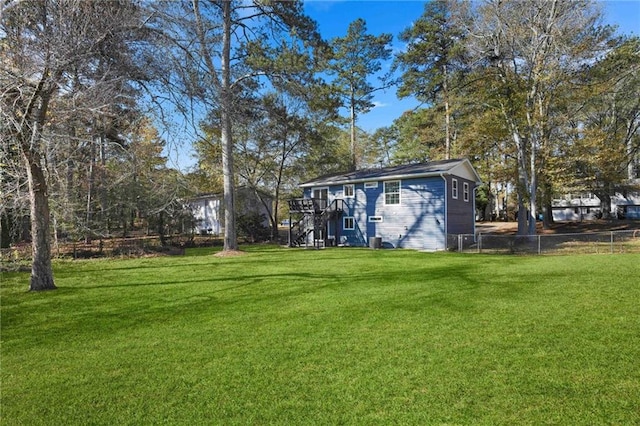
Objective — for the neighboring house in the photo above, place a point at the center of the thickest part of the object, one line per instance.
(207, 213)
(208, 209)
(411, 206)
(587, 206)
(625, 204)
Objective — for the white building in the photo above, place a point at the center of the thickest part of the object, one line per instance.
(208, 209)
(586, 206)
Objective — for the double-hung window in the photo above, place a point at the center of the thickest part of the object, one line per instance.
(348, 223)
(392, 192)
(454, 189)
(349, 191)
(465, 191)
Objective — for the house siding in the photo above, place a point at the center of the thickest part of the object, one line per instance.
(417, 222)
(632, 212)
(460, 213)
(426, 211)
(206, 213)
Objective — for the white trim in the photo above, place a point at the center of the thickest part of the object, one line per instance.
(376, 219)
(454, 188)
(453, 171)
(446, 211)
(370, 185)
(465, 192)
(384, 192)
(344, 225)
(353, 190)
(322, 188)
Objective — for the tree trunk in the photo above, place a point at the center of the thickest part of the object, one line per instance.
(524, 185)
(533, 191)
(230, 240)
(522, 216)
(352, 118)
(90, 185)
(102, 190)
(5, 231)
(605, 204)
(631, 166)
(547, 208)
(41, 270)
(447, 115)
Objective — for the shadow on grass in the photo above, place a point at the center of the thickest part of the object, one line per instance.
(92, 317)
(249, 280)
(255, 254)
(419, 284)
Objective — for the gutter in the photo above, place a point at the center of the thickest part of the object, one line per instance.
(446, 209)
(370, 179)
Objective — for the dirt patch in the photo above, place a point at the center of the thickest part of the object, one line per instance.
(509, 228)
(230, 253)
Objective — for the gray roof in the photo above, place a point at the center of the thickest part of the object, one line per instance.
(458, 167)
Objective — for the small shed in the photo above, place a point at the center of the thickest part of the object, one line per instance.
(409, 206)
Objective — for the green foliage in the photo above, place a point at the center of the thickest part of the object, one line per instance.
(357, 56)
(483, 196)
(339, 336)
(207, 174)
(420, 136)
(607, 140)
(435, 51)
(251, 226)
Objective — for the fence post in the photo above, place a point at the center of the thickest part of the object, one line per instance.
(459, 243)
(611, 242)
(479, 243)
(539, 236)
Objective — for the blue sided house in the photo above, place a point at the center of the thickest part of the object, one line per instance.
(412, 206)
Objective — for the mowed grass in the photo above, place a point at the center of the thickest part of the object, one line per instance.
(335, 336)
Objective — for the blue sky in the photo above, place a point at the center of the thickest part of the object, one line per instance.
(387, 16)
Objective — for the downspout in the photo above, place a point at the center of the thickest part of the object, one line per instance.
(475, 188)
(446, 209)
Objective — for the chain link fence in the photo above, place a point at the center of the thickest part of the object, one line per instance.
(592, 242)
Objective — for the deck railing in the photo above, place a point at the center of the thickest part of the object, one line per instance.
(307, 205)
(317, 212)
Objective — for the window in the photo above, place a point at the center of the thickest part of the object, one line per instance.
(370, 185)
(392, 192)
(349, 191)
(465, 191)
(375, 218)
(454, 188)
(348, 223)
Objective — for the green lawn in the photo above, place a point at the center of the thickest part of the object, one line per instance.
(335, 336)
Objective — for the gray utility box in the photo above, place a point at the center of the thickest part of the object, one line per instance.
(375, 242)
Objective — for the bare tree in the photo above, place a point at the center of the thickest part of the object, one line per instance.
(276, 140)
(530, 49)
(221, 49)
(59, 59)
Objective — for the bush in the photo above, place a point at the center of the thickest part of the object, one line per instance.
(251, 226)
